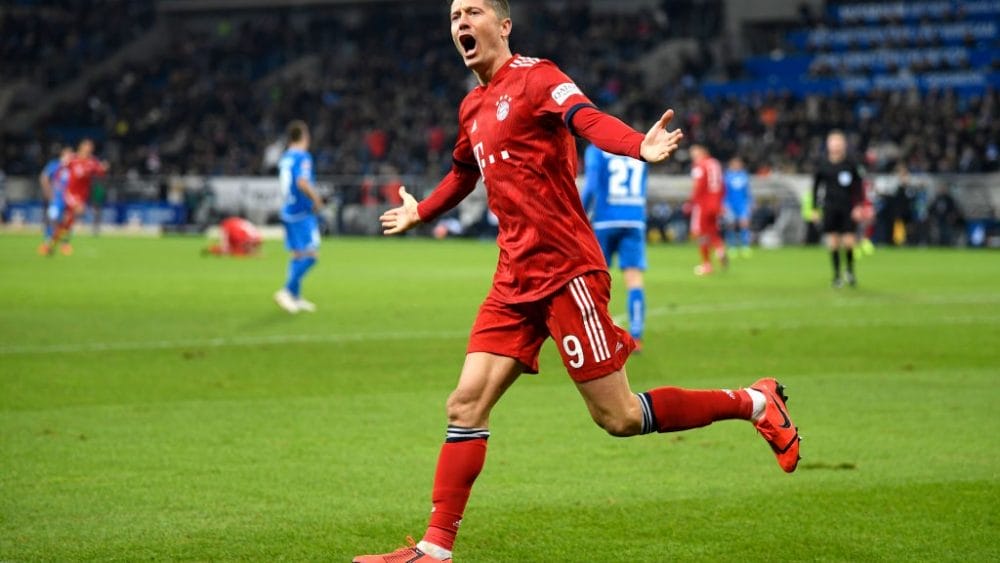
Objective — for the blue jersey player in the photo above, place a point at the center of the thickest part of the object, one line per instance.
(738, 202)
(54, 179)
(299, 216)
(615, 195)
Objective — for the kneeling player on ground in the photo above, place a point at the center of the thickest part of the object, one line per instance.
(237, 237)
(515, 130)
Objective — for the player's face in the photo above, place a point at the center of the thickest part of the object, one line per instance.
(65, 156)
(479, 34)
(836, 147)
(86, 149)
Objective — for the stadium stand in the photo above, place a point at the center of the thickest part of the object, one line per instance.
(46, 44)
(212, 98)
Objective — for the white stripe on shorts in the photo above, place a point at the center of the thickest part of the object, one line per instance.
(602, 340)
(591, 323)
(586, 322)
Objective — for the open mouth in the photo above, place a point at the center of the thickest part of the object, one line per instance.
(468, 44)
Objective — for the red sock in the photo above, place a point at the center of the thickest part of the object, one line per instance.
(704, 252)
(681, 409)
(458, 466)
(64, 226)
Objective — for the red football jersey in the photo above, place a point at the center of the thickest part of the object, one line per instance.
(708, 187)
(81, 173)
(515, 130)
(239, 236)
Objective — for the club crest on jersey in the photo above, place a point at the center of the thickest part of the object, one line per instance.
(503, 107)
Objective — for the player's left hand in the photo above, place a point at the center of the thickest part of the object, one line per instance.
(402, 218)
(660, 143)
(317, 204)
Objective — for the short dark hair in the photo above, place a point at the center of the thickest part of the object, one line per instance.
(296, 130)
(501, 7)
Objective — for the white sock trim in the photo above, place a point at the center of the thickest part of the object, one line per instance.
(434, 550)
(759, 403)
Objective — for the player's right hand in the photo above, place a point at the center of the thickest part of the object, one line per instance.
(402, 218)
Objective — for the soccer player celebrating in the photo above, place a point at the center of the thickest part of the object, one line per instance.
(738, 202)
(837, 191)
(515, 130)
(54, 178)
(706, 205)
(83, 167)
(299, 216)
(615, 188)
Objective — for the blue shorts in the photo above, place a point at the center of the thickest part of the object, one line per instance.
(741, 213)
(629, 243)
(56, 208)
(302, 235)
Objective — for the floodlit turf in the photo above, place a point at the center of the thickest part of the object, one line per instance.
(155, 404)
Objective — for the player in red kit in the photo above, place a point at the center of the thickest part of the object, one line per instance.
(82, 169)
(706, 205)
(515, 130)
(237, 237)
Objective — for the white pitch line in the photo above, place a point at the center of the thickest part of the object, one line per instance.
(837, 323)
(234, 341)
(700, 308)
(680, 310)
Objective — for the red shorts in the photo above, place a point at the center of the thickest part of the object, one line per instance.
(704, 222)
(576, 317)
(74, 201)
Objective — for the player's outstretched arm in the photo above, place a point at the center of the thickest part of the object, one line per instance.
(659, 143)
(403, 218)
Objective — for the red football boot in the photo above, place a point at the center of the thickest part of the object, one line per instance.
(775, 425)
(411, 554)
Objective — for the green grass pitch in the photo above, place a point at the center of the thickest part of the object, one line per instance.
(156, 405)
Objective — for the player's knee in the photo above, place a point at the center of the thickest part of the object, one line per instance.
(619, 425)
(464, 409)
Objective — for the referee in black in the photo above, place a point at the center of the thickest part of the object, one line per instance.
(837, 191)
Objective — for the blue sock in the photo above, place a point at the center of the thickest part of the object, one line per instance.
(49, 230)
(636, 311)
(297, 269)
(745, 236)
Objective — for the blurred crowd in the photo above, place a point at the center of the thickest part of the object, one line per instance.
(381, 88)
(785, 134)
(51, 41)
